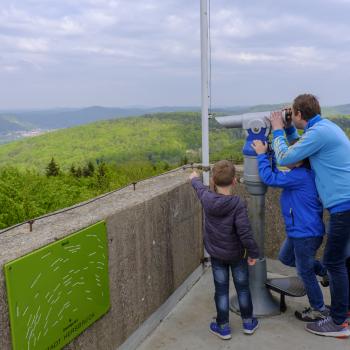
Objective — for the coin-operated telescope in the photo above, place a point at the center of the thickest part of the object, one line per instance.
(257, 126)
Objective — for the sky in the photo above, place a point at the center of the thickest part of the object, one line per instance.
(75, 53)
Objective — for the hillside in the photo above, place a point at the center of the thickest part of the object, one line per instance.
(17, 124)
(159, 137)
(119, 151)
(9, 123)
(99, 157)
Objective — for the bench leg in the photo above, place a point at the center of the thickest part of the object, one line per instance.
(283, 305)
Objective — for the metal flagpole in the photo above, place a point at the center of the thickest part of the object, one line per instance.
(205, 97)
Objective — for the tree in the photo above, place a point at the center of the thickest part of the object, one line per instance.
(53, 168)
(72, 170)
(102, 177)
(166, 166)
(79, 172)
(184, 160)
(88, 170)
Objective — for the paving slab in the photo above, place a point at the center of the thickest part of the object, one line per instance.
(186, 327)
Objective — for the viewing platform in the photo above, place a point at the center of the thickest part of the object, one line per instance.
(187, 325)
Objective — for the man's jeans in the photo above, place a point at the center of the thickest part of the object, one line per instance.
(348, 267)
(335, 260)
(300, 253)
(240, 275)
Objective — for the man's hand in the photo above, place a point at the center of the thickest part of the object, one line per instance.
(276, 120)
(193, 175)
(251, 261)
(259, 147)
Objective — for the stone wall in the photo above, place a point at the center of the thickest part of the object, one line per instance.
(274, 225)
(155, 243)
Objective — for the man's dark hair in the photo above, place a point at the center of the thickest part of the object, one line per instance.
(223, 173)
(307, 105)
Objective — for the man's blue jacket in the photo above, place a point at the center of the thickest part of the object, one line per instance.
(301, 207)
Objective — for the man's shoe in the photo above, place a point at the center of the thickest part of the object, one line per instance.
(311, 315)
(250, 327)
(328, 328)
(222, 331)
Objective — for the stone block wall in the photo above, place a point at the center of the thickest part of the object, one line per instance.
(155, 243)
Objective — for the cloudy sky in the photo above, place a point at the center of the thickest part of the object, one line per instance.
(69, 53)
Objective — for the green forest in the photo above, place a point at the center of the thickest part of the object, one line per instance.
(59, 169)
(159, 137)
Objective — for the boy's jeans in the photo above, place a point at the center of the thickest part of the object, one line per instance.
(335, 260)
(240, 275)
(300, 252)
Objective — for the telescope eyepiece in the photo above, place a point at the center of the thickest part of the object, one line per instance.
(287, 115)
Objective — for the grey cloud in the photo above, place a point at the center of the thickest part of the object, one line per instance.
(120, 52)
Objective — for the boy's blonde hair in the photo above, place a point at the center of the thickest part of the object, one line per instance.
(223, 173)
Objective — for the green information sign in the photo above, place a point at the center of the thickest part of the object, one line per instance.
(57, 291)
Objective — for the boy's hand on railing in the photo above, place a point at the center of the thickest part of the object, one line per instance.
(259, 146)
(251, 261)
(193, 175)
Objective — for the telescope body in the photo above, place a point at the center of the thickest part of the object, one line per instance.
(257, 126)
(248, 121)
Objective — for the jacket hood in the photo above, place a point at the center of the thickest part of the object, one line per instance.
(221, 205)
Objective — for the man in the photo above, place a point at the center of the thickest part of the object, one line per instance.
(328, 149)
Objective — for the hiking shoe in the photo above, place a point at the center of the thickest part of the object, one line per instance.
(325, 281)
(222, 331)
(328, 328)
(250, 327)
(311, 315)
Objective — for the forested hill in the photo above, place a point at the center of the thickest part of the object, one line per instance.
(93, 159)
(157, 137)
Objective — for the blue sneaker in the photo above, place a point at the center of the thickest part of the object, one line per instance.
(222, 331)
(250, 327)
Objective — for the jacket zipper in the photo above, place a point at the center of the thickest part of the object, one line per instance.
(292, 215)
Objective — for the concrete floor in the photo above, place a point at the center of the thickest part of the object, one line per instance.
(186, 327)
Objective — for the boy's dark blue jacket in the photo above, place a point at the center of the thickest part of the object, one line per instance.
(227, 231)
(300, 204)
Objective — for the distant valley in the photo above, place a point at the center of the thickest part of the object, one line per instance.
(17, 124)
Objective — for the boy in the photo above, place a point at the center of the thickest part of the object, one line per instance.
(229, 240)
(302, 212)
